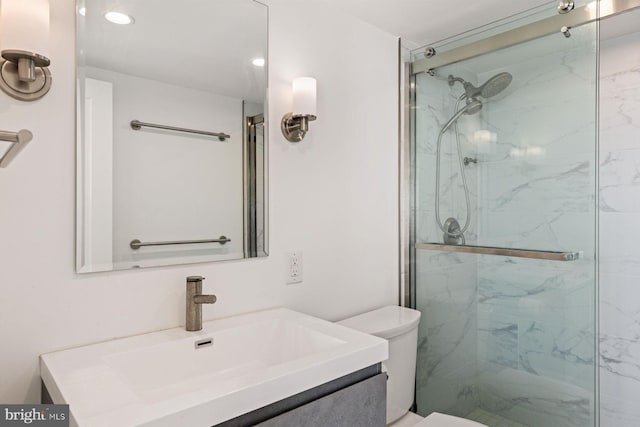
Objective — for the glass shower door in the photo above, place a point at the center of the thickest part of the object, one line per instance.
(504, 159)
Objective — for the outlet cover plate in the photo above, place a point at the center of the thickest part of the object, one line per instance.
(294, 268)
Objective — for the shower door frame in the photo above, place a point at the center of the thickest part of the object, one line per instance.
(407, 71)
(406, 180)
(574, 18)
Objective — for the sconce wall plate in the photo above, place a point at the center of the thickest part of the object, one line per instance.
(295, 127)
(24, 75)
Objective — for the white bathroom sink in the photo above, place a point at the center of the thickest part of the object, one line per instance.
(161, 379)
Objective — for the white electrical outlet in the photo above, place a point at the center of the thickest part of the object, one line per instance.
(294, 268)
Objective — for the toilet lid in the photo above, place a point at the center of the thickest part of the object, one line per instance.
(386, 322)
(441, 420)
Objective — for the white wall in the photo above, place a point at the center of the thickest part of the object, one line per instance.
(333, 196)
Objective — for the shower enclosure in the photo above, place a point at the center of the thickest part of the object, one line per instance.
(503, 220)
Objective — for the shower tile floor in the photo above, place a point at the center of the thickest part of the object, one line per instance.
(492, 420)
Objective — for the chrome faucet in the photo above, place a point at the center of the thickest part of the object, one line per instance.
(195, 299)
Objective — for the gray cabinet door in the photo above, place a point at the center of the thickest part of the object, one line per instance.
(360, 405)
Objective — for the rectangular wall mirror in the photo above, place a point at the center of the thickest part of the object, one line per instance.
(171, 139)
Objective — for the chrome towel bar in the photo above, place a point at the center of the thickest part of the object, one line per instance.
(489, 250)
(137, 125)
(19, 139)
(137, 244)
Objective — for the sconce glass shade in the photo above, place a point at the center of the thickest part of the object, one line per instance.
(295, 125)
(304, 96)
(24, 25)
(24, 48)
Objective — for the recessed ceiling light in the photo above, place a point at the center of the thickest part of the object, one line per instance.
(258, 62)
(82, 11)
(118, 18)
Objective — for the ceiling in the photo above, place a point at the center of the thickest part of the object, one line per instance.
(420, 22)
(200, 44)
(224, 35)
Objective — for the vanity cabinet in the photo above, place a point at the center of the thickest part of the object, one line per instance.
(356, 400)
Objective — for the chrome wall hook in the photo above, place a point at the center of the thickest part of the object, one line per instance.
(565, 31)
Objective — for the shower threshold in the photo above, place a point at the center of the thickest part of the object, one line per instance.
(491, 419)
(509, 252)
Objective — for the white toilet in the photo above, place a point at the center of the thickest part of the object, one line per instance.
(399, 325)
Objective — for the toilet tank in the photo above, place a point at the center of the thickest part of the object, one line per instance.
(398, 325)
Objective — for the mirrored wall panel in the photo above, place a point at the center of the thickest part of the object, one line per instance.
(171, 145)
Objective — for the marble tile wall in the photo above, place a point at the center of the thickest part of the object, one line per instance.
(536, 319)
(446, 294)
(515, 336)
(619, 231)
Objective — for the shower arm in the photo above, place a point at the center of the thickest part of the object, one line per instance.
(470, 91)
(453, 79)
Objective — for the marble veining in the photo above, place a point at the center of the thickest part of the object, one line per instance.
(619, 349)
(497, 340)
(528, 333)
(446, 294)
(534, 400)
(512, 336)
(538, 189)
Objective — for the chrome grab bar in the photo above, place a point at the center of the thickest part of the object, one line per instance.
(137, 125)
(489, 250)
(19, 139)
(137, 244)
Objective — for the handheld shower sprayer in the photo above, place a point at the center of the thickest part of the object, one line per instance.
(453, 233)
(472, 107)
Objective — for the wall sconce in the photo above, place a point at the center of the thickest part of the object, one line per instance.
(24, 37)
(296, 124)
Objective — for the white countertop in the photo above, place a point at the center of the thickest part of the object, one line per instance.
(159, 379)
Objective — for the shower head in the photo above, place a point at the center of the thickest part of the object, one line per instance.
(495, 85)
(490, 88)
